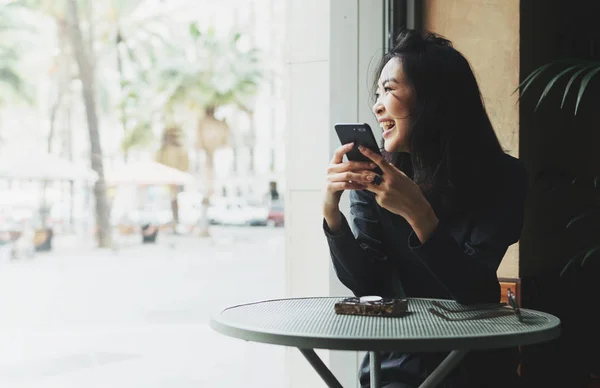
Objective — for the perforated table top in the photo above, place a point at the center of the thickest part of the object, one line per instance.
(313, 323)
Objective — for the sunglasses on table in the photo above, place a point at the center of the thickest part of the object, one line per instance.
(485, 310)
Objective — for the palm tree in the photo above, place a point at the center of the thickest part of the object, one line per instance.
(13, 87)
(19, 33)
(69, 31)
(60, 69)
(11, 83)
(136, 116)
(216, 73)
(172, 153)
(117, 30)
(86, 75)
(129, 35)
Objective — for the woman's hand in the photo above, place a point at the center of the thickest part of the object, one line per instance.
(400, 195)
(343, 176)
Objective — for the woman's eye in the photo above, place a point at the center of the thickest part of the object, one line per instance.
(385, 89)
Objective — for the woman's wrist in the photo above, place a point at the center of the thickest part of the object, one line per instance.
(333, 218)
(423, 221)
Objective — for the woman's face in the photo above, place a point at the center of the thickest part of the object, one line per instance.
(392, 108)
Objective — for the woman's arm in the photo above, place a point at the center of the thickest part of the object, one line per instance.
(358, 255)
(468, 270)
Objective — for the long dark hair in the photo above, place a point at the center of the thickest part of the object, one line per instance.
(454, 151)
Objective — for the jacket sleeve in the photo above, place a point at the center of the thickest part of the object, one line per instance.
(358, 253)
(468, 271)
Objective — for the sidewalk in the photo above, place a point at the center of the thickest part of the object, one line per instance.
(138, 317)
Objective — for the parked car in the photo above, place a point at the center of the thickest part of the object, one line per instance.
(276, 214)
(237, 211)
(222, 210)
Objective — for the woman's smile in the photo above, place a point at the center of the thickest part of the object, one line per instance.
(392, 106)
(387, 127)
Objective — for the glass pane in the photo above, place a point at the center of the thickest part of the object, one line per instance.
(136, 193)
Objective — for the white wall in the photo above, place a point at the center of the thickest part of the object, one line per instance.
(331, 45)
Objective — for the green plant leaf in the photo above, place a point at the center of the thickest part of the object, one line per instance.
(530, 78)
(570, 263)
(589, 254)
(194, 31)
(580, 217)
(584, 82)
(139, 136)
(552, 82)
(568, 87)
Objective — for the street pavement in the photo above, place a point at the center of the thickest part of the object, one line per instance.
(137, 316)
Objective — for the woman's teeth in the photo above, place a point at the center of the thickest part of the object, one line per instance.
(386, 125)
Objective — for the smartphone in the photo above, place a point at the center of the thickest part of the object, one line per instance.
(360, 134)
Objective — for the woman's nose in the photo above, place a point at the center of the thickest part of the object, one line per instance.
(378, 108)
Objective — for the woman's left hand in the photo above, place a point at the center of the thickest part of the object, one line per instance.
(397, 193)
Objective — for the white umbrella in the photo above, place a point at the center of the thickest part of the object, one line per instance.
(148, 173)
(44, 167)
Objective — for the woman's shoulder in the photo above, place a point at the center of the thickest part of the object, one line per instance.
(504, 185)
(510, 183)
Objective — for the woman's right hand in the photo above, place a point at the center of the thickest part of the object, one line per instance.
(344, 176)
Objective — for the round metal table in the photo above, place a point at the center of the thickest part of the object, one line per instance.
(309, 323)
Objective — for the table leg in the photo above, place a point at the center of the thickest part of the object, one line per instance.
(444, 368)
(321, 368)
(375, 364)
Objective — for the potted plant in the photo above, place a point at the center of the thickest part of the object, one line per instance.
(579, 275)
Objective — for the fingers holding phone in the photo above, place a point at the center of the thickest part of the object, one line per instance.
(338, 155)
(349, 175)
(352, 174)
(343, 175)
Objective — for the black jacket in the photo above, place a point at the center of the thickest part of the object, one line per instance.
(381, 255)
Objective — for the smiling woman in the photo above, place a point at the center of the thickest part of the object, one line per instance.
(427, 94)
(440, 218)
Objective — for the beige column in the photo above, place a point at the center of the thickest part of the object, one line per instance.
(307, 152)
(330, 47)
